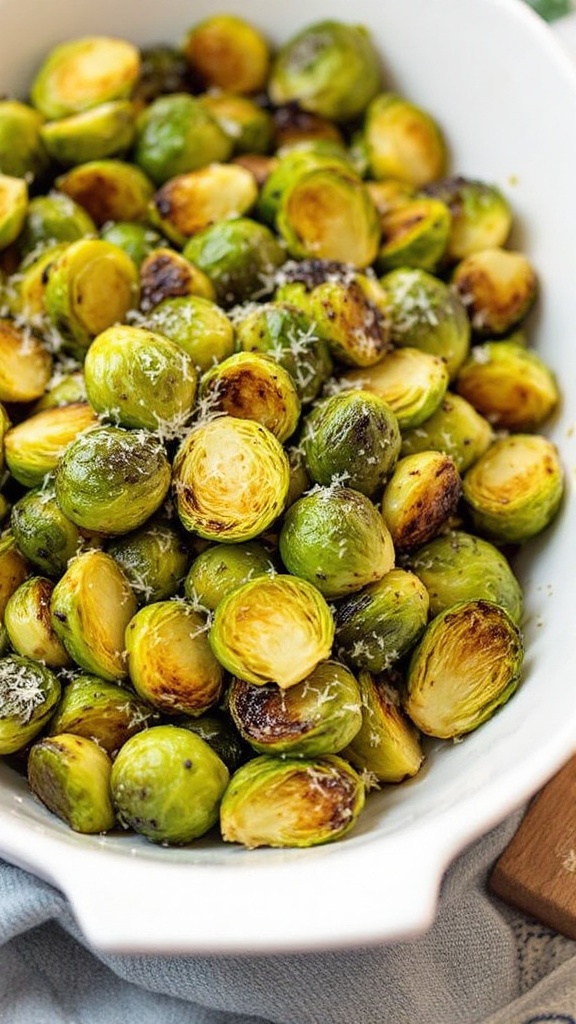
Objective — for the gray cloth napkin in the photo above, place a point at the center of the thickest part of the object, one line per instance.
(480, 963)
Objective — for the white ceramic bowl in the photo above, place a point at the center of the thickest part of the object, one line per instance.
(505, 93)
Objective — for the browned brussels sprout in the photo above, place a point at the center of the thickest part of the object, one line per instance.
(419, 498)
(388, 745)
(71, 775)
(498, 287)
(108, 713)
(29, 692)
(227, 52)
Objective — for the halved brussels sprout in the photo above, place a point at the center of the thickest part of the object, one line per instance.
(110, 190)
(514, 490)
(468, 664)
(251, 385)
(52, 219)
(239, 256)
(198, 325)
(135, 239)
(107, 713)
(29, 692)
(230, 479)
(91, 605)
(217, 729)
(170, 662)
(26, 288)
(414, 234)
(154, 558)
(291, 165)
(110, 480)
(91, 286)
(379, 624)
(13, 206)
(508, 384)
(391, 194)
(293, 126)
(104, 131)
(318, 716)
(71, 775)
(419, 498)
(167, 784)
(352, 436)
(388, 745)
(166, 274)
(259, 165)
(4, 427)
(188, 203)
(481, 214)
(461, 567)
(335, 538)
(84, 72)
(34, 446)
(138, 378)
(403, 141)
(44, 535)
(14, 568)
(176, 134)
(25, 364)
(455, 428)
(64, 388)
(272, 629)
(412, 382)
(498, 287)
(21, 151)
(249, 125)
(227, 52)
(329, 68)
(220, 568)
(283, 802)
(29, 626)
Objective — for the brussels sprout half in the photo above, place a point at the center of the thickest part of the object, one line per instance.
(403, 141)
(419, 498)
(188, 203)
(29, 626)
(412, 383)
(22, 154)
(51, 219)
(166, 274)
(509, 385)
(25, 364)
(34, 446)
(251, 385)
(29, 692)
(107, 130)
(414, 234)
(498, 287)
(13, 206)
(71, 775)
(105, 712)
(84, 72)
(227, 52)
(481, 214)
(110, 190)
(455, 428)
(220, 568)
(14, 568)
(388, 745)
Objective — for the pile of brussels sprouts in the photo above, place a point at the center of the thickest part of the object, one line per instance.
(271, 434)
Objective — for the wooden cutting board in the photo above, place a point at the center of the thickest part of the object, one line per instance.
(537, 871)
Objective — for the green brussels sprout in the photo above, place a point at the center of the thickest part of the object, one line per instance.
(329, 68)
(198, 325)
(176, 134)
(13, 206)
(105, 712)
(170, 662)
(239, 256)
(91, 286)
(425, 313)
(284, 802)
(455, 428)
(509, 385)
(26, 288)
(230, 479)
(154, 558)
(110, 190)
(251, 385)
(22, 154)
(71, 775)
(381, 623)
(414, 234)
(286, 333)
(140, 379)
(104, 131)
(29, 692)
(513, 491)
(34, 446)
(83, 73)
(461, 567)
(217, 729)
(249, 125)
(481, 214)
(227, 52)
(25, 364)
(110, 480)
(167, 784)
(352, 436)
(163, 70)
(420, 497)
(335, 538)
(189, 203)
(498, 287)
(468, 664)
(46, 538)
(318, 716)
(29, 625)
(91, 605)
(388, 745)
(64, 388)
(52, 219)
(167, 274)
(403, 141)
(291, 165)
(413, 383)
(135, 239)
(272, 629)
(220, 568)
(14, 568)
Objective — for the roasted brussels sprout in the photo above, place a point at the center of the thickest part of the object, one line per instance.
(481, 214)
(26, 288)
(79, 74)
(498, 287)
(284, 802)
(13, 206)
(227, 52)
(272, 629)
(294, 126)
(163, 70)
(107, 713)
(136, 239)
(381, 623)
(170, 662)
(22, 154)
(514, 490)
(414, 234)
(461, 567)
(411, 382)
(198, 325)
(455, 428)
(64, 388)
(29, 626)
(220, 568)
(335, 538)
(248, 124)
(176, 134)
(104, 131)
(52, 219)
(329, 68)
(251, 385)
(46, 538)
(230, 479)
(154, 558)
(468, 664)
(508, 384)
(110, 190)
(403, 141)
(167, 784)
(239, 256)
(388, 745)
(217, 729)
(91, 605)
(188, 203)
(71, 775)
(318, 716)
(352, 436)
(29, 692)
(167, 274)
(110, 480)
(25, 364)
(420, 497)
(34, 446)
(293, 164)
(14, 568)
